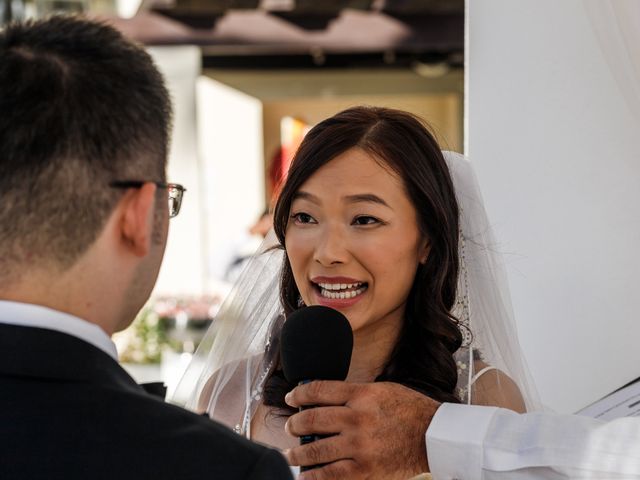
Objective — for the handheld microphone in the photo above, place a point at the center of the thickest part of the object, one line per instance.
(316, 344)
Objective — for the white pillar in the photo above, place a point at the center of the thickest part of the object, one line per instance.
(230, 141)
(183, 272)
(558, 156)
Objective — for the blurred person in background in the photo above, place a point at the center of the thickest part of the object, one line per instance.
(276, 174)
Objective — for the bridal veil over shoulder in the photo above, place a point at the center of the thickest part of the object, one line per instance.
(228, 371)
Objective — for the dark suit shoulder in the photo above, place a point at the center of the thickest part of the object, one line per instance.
(68, 411)
(201, 443)
(271, 466)
(78, 431)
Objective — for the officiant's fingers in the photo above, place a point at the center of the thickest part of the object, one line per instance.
(324, 450)
(322, 421)
(321, 392)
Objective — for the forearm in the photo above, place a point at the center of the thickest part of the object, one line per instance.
(468, 442)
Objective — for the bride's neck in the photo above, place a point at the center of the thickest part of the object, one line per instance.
(372, 348)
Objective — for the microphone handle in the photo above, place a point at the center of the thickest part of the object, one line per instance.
(309, 438)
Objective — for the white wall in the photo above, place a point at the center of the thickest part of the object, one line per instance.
(558, 156)
(216, 153)
(230, 142)
(183, 270)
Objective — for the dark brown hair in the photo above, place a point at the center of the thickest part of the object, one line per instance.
(80, 106)
(423, 356)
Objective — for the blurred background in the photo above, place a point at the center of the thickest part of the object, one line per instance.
(544, 97)
(248, 79)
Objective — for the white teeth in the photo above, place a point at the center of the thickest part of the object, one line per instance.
(341, 295)
(339, 286)
(341, 291)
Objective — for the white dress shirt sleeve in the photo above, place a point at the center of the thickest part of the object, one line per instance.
(487, 443)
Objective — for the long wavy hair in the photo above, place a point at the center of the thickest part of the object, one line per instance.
(423, 355)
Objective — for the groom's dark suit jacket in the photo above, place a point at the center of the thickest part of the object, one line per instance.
(69, 411)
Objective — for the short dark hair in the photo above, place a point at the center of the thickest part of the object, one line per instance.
(80, 106)
(423, 357)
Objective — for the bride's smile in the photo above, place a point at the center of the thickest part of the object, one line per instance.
(338, 292)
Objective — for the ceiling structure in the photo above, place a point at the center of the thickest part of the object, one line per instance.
(306, 33)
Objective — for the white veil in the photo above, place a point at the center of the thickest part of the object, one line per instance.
(228, 370)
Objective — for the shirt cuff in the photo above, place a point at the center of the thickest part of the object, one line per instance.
(454, 441)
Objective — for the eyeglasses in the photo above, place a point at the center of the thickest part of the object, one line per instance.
(174, 190)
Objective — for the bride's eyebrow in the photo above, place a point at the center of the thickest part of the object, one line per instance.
(357, 198)
(302, 195)
(366, 197)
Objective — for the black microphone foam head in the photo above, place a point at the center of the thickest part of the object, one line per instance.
(316, 344)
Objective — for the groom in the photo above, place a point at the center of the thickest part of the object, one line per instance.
(84, 127)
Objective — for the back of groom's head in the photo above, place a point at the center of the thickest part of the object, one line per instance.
(80, 106)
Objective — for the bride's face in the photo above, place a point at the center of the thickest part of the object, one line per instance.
(353, 241)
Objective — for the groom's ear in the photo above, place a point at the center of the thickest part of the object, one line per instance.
(136, 219)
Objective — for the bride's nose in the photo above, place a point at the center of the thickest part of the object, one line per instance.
(331, 247)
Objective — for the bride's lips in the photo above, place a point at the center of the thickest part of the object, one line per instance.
(338, 292)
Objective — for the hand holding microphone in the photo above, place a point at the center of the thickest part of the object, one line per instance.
(355, 431)
(316, 344)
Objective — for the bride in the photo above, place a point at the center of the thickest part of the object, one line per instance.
(376, 222)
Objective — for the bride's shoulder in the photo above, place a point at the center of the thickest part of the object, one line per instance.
(493, 387)
(227, 382)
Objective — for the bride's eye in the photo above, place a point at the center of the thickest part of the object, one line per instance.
(366, 220)
(302, 218)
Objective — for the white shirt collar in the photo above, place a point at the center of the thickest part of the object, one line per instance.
(29, 315)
